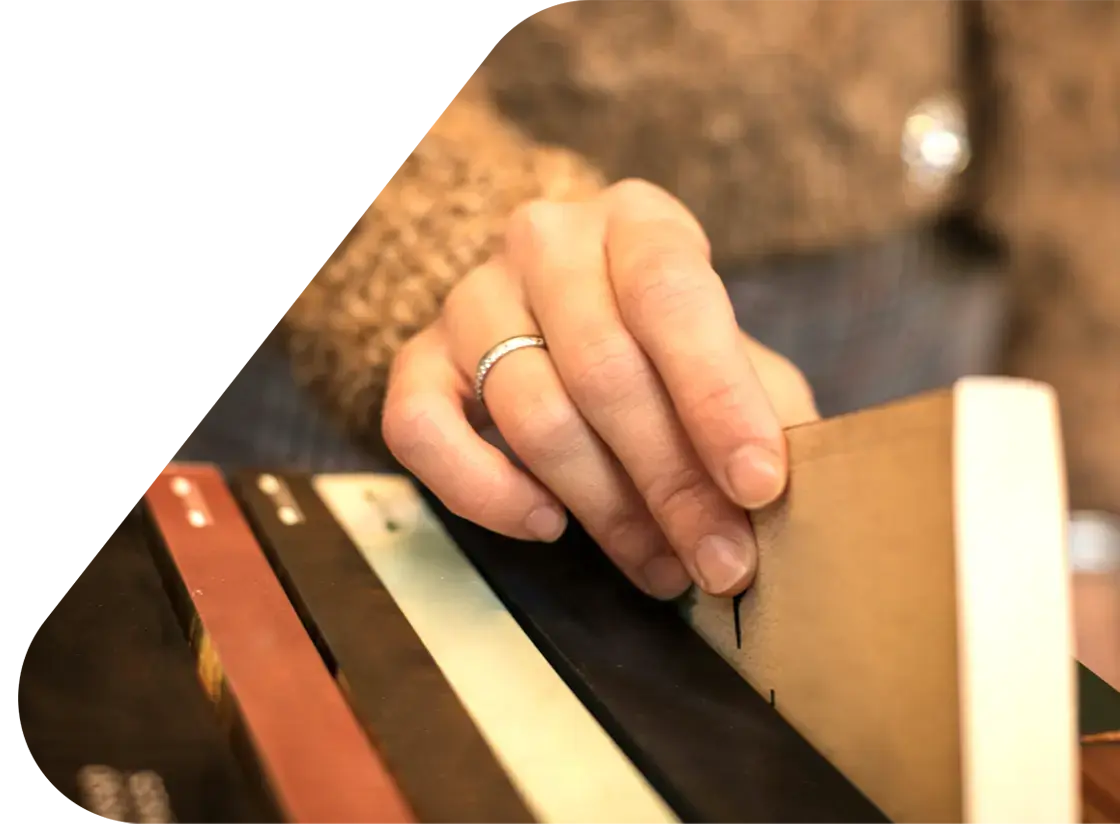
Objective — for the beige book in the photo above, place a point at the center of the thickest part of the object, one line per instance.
(912, 616)
(566, 766)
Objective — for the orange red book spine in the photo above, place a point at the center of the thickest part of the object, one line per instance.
(257, 661)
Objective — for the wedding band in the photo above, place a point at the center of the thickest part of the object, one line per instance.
(498, 352)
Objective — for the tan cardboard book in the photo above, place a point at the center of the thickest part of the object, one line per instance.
(912, 614)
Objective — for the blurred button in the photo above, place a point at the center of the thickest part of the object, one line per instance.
(935, 146)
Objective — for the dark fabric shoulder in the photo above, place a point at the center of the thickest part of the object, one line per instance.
(262, 418)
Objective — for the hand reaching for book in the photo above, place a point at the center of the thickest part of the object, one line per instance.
(603, 347)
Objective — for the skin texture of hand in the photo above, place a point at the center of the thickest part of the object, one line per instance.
(651, 416)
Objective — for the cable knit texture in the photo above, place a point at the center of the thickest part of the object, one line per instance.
(441, 215)
(779, 124)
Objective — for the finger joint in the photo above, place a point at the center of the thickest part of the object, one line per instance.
(409, 429)
(605, 369)
(541, 430)
(661, 285)
(679, 495)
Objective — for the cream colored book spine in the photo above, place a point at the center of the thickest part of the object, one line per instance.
(565, 765)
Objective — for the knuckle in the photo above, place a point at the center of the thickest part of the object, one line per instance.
(677, 495)
(408, 362)
(635, 190)
(655, 209)
(400, 364)
(719, 401)
(603, 369)
(626, 534)
(452, 305)
(540, 429)
(408, 427)
(529, 227)
(412, 436)
(662, 286)
(462, 300)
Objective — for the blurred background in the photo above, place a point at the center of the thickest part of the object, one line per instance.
(168, 172)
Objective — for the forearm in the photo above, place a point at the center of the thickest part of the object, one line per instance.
(440, 216)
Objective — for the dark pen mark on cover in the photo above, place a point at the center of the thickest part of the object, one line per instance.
(735, 602)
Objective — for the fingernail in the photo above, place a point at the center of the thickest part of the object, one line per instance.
(755, 475)
(723, 565)
(546, 523)
(666, 577)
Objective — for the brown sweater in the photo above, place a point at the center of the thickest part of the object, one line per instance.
(779, 124)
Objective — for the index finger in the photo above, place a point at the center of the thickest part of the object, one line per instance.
(676, 307)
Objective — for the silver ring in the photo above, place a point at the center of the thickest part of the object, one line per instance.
(498, 352)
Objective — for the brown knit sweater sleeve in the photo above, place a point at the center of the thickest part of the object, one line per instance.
(764, 118)
(441, 215)
(1052, 190)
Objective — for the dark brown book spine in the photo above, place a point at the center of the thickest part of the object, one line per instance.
(439, 756)
(257, 661)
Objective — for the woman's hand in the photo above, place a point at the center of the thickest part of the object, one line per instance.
(650, 415)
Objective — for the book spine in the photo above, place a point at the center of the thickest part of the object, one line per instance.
(256, 661)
